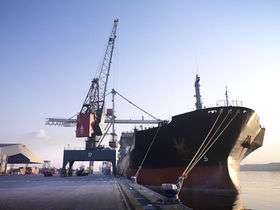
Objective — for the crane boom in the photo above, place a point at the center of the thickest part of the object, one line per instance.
(72, 122)
(96, 95)
(90, 115)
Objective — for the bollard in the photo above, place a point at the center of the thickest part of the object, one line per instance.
(133, 179)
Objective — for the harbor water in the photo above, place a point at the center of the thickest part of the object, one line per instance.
(260, 190)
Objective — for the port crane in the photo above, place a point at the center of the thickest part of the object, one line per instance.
(89, 117)
(88, 120)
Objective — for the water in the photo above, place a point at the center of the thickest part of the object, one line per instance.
(260, 190)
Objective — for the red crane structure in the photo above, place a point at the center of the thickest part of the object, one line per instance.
(91, 115)
(89, 118)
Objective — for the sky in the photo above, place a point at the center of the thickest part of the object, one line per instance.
(50, 50)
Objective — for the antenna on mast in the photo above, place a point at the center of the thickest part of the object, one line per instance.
(196, 65)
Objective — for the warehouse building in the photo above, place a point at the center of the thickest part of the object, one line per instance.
(16, 154)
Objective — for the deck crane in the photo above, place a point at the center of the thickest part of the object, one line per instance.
(89, 118)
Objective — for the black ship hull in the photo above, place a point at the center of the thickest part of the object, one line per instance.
(176, 143)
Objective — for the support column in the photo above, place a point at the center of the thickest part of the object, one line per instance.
(70, 173)
(64, 164)
(90, 145)
(114, 167)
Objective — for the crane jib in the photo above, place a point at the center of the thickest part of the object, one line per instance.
(89, 117)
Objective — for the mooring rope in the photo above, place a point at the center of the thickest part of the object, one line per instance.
(147, 152)
(201, 151)
(205, 139)
(206, 149)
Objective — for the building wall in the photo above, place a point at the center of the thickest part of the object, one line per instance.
(3, 161)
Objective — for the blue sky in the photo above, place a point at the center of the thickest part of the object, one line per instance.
(50, 50)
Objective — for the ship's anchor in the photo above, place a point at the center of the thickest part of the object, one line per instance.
(172, 191)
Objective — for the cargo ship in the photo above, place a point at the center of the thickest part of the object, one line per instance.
(168, 148)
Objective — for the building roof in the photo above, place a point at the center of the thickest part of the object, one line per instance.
(5, 145)
(19, 153)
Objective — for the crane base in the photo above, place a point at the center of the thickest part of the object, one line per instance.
(96, 154)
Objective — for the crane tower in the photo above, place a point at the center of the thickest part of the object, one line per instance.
(91, 115)
(89, 118)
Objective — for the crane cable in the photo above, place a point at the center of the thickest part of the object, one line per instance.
(108, 126)
(155, 118)
(206, 148)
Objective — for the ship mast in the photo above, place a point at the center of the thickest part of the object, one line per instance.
(198, 104)
(226, 93)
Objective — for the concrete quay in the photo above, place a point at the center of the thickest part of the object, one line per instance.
(88, 192)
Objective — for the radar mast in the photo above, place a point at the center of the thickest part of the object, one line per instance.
(198, 104)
